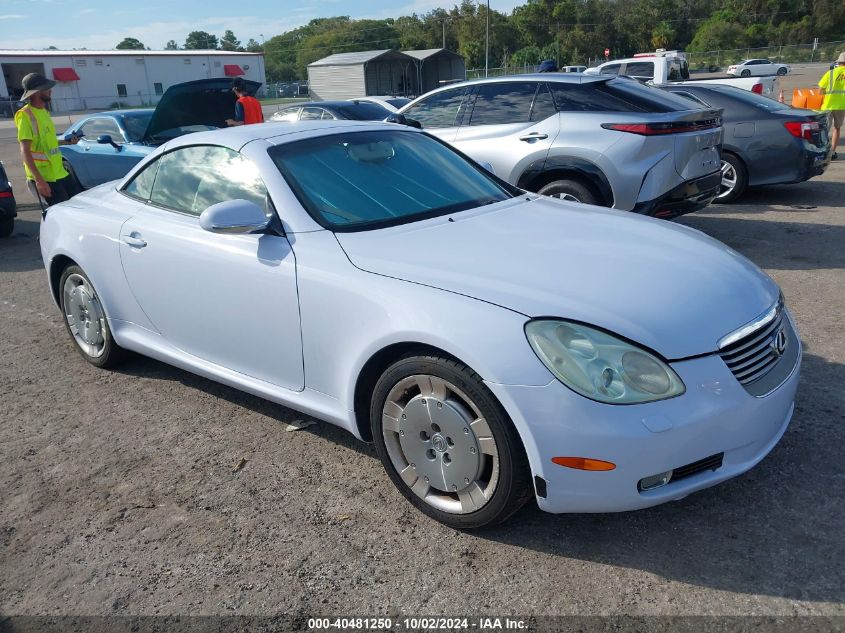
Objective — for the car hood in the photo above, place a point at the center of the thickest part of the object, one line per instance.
(200, 102)
(665, 286)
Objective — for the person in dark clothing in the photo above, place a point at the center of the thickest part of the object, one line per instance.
(547, 66)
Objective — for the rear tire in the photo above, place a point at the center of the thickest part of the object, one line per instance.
(734, 179)
(85, 319)
(571, 190)
(7, 225)
(745, 73)
(447, 444)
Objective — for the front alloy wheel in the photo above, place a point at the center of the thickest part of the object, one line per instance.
(447, 444)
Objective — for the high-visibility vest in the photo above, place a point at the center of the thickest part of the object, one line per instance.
(44, 147)
(252, 110)
(833, 82)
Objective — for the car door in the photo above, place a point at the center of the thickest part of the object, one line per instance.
(440, 114)
(102, 161)
(227, 299)
(509, 125)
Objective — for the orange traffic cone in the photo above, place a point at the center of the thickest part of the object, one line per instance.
(780, 96)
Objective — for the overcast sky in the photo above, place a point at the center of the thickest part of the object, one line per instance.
(101, 24)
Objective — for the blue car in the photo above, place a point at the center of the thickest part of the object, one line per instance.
(111, 143)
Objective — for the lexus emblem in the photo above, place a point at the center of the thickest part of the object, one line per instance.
(779, 343)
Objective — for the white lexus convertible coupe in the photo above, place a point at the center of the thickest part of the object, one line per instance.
(494, 344)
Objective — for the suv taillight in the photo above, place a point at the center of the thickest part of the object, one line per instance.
(802, 129)
(655, 129)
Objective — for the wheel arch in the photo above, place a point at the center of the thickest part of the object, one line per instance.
(539, 174)
(57, 267)
(372, 370)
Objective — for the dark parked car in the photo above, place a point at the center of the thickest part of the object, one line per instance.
(765, 142)
(333, 111)
(8, 207)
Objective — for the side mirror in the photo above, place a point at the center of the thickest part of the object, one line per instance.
(105, 139)
(401, 119)
(234, 217)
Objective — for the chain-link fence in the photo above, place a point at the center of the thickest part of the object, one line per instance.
(710, 60)
(796, 54)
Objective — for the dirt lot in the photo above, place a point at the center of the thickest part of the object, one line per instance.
(119, 492)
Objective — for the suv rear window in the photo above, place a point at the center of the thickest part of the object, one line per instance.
(616, 95)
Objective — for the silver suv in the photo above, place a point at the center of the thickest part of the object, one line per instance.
(608, 141)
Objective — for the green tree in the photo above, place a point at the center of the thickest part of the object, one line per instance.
(200, 40)
(171, 46)
(130, 43)
(254, 47)
(229, 42)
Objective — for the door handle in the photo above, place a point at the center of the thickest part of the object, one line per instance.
(533, 136)
(134, 240)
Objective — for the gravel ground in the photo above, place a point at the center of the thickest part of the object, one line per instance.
(125, 492)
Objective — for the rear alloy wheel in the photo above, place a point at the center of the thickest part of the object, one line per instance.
(745, 73)
(85, 319)
(571, 190)
(447, 444)
(781, 71)
(734, 179)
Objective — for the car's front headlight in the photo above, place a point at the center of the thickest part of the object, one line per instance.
(600, 366)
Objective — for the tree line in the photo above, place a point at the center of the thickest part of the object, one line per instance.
(568, 31)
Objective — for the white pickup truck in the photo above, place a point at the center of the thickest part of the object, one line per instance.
(662, 67)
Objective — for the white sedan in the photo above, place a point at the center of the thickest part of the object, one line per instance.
(496, 345)
(757, 68)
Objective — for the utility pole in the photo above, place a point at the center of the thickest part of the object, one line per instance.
(487, 42)
(444, 33)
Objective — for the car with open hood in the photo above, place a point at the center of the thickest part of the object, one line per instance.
(496, 345)
(111, 143)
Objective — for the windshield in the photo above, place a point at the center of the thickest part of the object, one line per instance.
(363, 111)
(398, 102)
(365, 180)
(136, 125)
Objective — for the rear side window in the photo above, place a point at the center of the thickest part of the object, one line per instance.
(640, 69)
(610, 69)
(364, 111)
(438, 110)
(496, 104)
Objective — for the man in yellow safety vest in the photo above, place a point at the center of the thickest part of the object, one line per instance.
(46, 178)
(832, 84)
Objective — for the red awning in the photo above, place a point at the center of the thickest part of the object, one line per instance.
(65, 74)
(233, 70)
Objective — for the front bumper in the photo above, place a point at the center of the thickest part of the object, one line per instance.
(685, 198)
(715, 416)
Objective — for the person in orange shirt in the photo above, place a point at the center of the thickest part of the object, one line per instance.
(247, 107)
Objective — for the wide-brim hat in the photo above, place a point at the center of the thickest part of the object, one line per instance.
(841, 58)
(35, 82)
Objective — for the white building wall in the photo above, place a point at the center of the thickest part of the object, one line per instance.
(100, 75)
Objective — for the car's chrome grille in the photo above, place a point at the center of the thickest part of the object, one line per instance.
(755, 355)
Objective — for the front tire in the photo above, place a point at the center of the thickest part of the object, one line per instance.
(447, 444)
(85, 319)
(781, 71)
(734, 179)
(571, 190)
